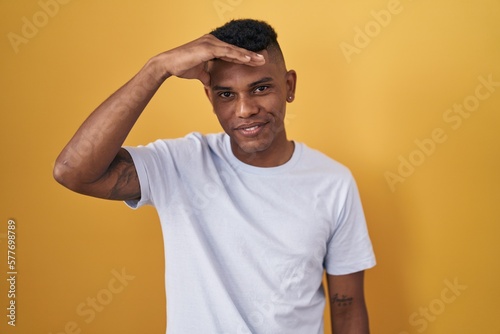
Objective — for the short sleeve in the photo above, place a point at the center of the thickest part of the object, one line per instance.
(142, 156)
(349, 248)
(163, 166)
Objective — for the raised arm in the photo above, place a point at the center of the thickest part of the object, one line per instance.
(94, 162)
(347, 304)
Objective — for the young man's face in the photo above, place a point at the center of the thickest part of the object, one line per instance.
(250, 103)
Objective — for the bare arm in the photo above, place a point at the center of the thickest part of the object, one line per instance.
(347, 304)
(94, 162)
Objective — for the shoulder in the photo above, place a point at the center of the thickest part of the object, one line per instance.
(194, 149)
(321, 163)
(191, 143)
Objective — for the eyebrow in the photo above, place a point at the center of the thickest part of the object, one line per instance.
(255, 83)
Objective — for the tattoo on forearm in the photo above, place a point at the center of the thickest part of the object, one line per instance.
(341, 301)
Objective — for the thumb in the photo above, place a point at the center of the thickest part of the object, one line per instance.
(204, 77)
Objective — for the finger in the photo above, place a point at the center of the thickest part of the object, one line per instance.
(205, 79)
(232, 53)
(251, 60)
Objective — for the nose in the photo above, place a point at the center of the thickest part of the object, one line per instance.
(246, 107)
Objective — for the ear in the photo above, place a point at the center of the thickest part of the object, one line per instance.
(291, 84)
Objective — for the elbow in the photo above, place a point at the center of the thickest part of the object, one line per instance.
(60, 173)
(64, 175)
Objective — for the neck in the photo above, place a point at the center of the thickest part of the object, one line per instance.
(271, 157)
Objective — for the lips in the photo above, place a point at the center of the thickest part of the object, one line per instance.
(252, 129)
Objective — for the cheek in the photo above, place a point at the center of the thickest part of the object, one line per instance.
(224, 114)
(278, 108)
(272, 103)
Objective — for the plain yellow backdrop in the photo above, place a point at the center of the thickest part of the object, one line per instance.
(405, 93)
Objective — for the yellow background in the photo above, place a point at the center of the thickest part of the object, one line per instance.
(365, 109)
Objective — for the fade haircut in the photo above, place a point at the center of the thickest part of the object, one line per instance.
(253, 35)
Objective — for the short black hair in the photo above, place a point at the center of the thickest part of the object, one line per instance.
(250, 34)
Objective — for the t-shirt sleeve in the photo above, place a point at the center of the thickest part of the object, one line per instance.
(349, 249)
(143, 156)
(161, 167)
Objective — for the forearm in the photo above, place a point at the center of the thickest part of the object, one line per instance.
(96, 143)
(347, 304)
(350, 318)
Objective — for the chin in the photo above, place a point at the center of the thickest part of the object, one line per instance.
(252, 147)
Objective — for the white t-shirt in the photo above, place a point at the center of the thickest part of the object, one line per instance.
(246, 247)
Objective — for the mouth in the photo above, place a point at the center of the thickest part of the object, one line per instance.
(251, 130)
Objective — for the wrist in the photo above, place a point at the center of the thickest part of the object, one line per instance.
(156, 67)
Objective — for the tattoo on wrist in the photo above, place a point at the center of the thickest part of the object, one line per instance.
(341, 301)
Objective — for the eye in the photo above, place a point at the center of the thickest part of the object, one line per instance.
(226, 95)
(260, 89)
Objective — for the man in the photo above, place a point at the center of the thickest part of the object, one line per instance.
(250, 219)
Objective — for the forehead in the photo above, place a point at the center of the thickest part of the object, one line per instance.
(228, 74)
